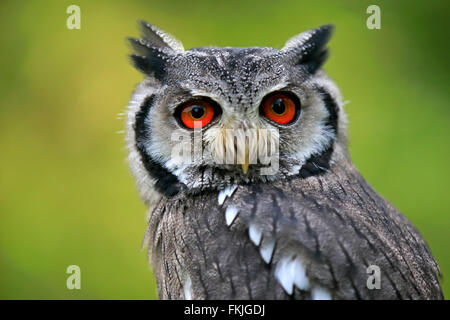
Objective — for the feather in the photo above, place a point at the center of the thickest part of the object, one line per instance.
(308, 48)
(159, 38)
(316, 237)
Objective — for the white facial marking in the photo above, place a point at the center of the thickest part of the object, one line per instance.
(230, 214)
(255, 234)
(319, 293)
(266, 250)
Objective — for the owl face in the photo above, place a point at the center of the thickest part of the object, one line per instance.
(211, 117)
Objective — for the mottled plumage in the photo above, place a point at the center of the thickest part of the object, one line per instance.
(307, 231)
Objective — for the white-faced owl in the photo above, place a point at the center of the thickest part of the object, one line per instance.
(241, 156)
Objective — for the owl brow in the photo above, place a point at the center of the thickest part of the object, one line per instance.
(184, 96)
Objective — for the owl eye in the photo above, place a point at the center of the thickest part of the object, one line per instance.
(200, 111)
(281, 107)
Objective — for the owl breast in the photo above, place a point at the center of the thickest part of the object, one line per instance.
(298, 238)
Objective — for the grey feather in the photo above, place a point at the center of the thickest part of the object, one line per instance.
(337, 226)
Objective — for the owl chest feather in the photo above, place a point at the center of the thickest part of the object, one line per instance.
(296, 238)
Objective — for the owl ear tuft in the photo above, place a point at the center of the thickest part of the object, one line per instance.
(308, 48)
(154, 50)
(159, 38)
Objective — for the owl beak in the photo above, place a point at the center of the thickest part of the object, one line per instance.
(246, 163)
(244, 168)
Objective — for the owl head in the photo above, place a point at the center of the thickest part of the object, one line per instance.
(207, 117)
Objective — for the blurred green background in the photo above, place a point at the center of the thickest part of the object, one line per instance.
(66, 195)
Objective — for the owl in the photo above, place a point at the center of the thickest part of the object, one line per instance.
(240, 155)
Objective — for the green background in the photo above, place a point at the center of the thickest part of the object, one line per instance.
(66, 195)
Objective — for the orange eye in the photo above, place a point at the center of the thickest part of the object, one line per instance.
(196, 110)
(280, 107)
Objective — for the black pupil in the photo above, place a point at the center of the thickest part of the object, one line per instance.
(197, 112)
(278, 106)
